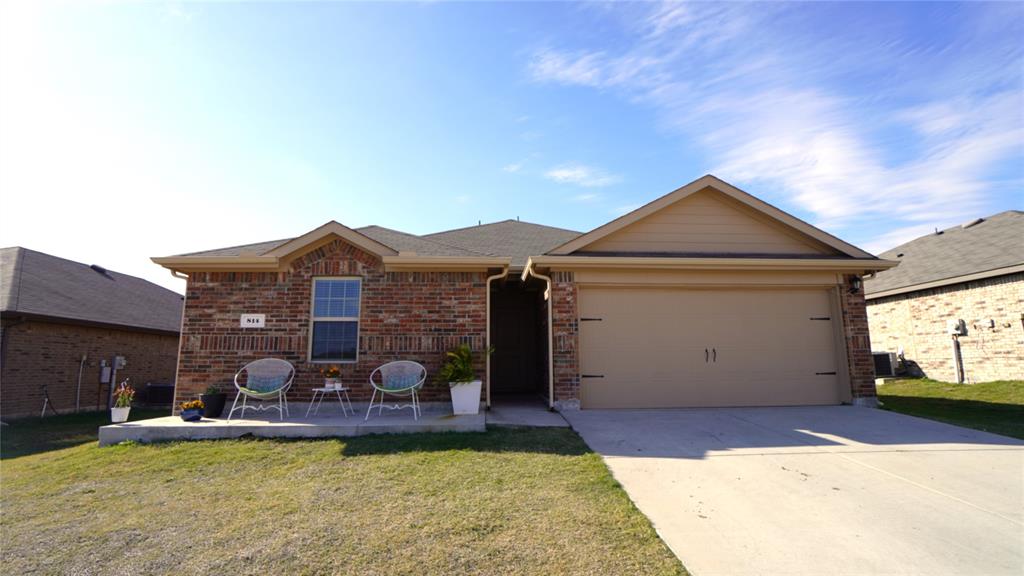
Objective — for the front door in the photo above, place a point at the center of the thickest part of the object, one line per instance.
(514, 328)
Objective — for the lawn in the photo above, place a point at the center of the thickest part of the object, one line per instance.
(996, 407)
(529, 501)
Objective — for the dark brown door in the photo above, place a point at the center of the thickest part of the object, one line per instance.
(514, 315)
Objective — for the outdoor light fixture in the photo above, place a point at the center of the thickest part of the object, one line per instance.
(855, 284)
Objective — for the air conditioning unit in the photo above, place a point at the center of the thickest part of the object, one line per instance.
(885, 363)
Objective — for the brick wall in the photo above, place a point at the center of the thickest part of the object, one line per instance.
(858, 343)
(404, 316)
(37, 353)
(917, 322)
(566, 339)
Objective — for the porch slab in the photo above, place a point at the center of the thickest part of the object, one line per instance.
(529, 415)
(330, 423)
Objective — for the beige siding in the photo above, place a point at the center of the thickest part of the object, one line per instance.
(708, 222)
(674, 347)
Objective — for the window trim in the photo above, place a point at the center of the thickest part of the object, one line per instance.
(313, 318)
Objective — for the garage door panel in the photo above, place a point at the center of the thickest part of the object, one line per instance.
(666, 347)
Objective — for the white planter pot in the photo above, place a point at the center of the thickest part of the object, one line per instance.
(118, 415)
(332, 383)
(466, 397)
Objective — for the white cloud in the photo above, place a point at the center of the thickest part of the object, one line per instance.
(512, 168)
(586, 197)
(582, 175)
(768, 112)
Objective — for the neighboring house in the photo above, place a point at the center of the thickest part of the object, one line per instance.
(62, 321)
(972, 273)
(704, 297)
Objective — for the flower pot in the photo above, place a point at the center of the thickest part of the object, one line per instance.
(118, 415)
(465, 397)
(213, 404)
(332, 383)
(192, 415)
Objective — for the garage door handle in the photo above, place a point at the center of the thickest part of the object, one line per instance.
(825, 373)
(591, 375)
(705, 355)
(714, 354)
(591, 319)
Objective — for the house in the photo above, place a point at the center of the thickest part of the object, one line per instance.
(955, 304)
(704, 297)
(63, 323)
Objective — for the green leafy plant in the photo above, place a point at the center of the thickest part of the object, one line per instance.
(212, 389)
(124, 395)
(458, 365)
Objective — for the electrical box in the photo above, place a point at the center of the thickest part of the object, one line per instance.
(956, 327)
(105, 375)
(120, 362)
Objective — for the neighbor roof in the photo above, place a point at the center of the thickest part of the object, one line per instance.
(41, 285)
(508, 238)
(985, 247)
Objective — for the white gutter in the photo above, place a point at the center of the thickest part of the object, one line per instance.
(487, 345)
(529, 271)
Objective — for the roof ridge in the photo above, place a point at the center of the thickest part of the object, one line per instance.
(431, 240)
(517, 221)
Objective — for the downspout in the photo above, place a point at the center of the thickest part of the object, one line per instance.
(503, 274)
(551, 350)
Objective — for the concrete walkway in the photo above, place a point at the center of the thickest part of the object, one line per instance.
(818, 490)
(524, 414)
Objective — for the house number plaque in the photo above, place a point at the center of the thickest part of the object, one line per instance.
(253, 320)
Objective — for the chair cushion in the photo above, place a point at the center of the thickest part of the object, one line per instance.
(264, 383)
(400, 381)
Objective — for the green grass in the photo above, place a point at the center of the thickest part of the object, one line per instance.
(529, 501)
(33, 435)
(996, 407)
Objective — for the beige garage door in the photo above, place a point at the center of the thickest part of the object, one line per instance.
(670, 347)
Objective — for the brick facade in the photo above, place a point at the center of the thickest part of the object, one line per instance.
(992, 309)
(37, 353)
(565, 319)
(404, 316)
(858, 344)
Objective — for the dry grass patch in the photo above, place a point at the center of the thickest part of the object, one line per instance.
(502, 502)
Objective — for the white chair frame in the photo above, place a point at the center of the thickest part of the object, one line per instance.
(407, 392)
(274, 365)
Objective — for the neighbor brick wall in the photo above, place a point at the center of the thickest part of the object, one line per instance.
(917, 322)
(404, 316)
(37, 353)
(858, 341)
(565, 334)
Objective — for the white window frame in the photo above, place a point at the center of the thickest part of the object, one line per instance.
(313, 318)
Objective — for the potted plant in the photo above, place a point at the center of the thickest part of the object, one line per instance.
(122, 402)
(458, 372)
(332, 376)
(213, 401)
(192, 411)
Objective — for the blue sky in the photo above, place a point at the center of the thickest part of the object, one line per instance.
(138, 130)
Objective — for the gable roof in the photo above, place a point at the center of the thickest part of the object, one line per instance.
(41, 285)
(514, 239)
(982, 248)
(510, 240)
(709, 181)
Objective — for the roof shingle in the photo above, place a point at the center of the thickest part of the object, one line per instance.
(39, 284)
(995, 242)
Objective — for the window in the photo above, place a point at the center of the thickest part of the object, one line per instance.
(335, 330)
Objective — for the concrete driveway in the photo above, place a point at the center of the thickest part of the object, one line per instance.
(818, 490)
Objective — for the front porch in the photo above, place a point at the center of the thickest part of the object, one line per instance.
(435, 417)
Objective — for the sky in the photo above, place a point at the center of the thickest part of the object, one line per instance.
(132, 130)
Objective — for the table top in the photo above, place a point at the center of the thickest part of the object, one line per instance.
(337, 388)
